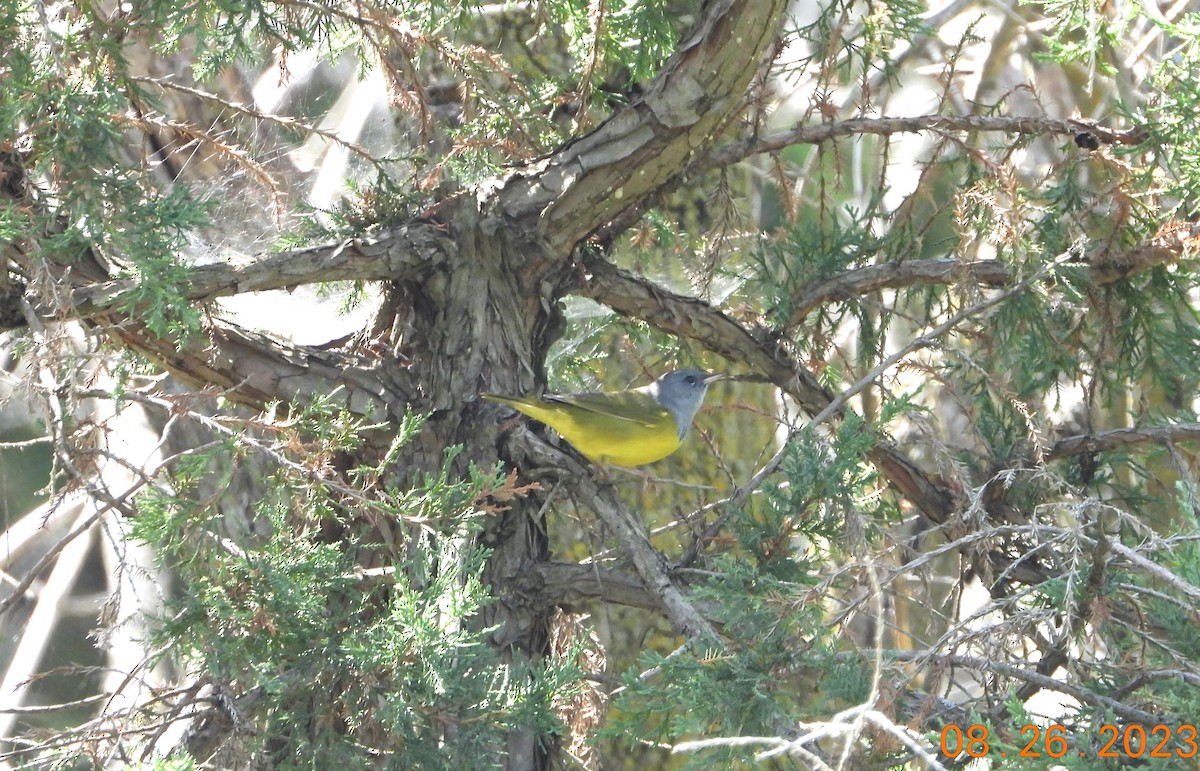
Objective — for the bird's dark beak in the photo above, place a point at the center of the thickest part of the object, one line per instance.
(713, 377)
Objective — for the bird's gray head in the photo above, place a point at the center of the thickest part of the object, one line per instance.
(682, 392)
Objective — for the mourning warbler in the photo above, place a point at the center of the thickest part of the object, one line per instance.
(627, 428)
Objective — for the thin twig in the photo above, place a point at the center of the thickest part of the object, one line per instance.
(279, 120)
(885, 126)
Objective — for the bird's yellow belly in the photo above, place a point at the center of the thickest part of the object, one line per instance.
(632, 446)
(607, 438)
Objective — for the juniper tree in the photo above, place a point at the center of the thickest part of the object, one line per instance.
(947, 512)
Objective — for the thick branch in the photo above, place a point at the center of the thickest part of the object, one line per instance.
(1123, 437)
(688, 317)
(255, 369)
(645, 146)
(402, 252)
(695, 319)
(893, 275)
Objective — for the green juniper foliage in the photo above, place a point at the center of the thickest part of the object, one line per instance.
(396, 653)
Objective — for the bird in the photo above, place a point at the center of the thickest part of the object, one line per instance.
(624, 428)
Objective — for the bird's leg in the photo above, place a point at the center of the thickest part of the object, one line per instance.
(601, 473)
(645, 477)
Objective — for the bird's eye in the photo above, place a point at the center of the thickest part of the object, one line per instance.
(691, 379)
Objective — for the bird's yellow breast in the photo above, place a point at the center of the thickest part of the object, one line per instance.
(631, 435)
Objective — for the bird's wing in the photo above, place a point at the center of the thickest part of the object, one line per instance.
(632, 406)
